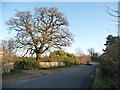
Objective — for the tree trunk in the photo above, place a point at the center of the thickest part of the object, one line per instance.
(38, 56)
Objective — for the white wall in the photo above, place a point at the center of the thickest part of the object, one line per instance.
(50, 64)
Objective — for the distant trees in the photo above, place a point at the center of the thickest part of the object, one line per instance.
(91, 51)
(79, 52)
(41, 31)
(7, 46)
(82, 57)
(94, 55)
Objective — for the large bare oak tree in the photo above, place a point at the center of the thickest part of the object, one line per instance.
(41, 31)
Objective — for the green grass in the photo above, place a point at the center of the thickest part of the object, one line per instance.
(14, 74)
(100, 82)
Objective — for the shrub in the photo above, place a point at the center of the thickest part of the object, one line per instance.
(61, 56)
(27, 64)
(67, 61)
(77, 61)
(109, 60)
(18, 65)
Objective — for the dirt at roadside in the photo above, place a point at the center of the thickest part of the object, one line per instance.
(30, 74)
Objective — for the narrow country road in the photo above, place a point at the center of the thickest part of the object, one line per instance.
(80, 76)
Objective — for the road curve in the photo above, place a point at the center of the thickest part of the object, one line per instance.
(80, 76)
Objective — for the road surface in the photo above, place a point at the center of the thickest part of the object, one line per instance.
(80, 76)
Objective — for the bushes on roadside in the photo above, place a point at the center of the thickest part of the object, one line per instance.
(57, 56)
(109, 60)
(26, 64)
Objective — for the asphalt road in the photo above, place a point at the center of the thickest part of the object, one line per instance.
(80, 76)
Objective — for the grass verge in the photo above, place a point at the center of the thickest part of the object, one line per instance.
(100, 82)
(14, 74)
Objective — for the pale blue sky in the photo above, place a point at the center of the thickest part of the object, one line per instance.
(88, 22)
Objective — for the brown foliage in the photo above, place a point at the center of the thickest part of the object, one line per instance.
(84, 58)
(9, 59)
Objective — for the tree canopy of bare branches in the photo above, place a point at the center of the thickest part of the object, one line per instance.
(79, 52)
(91, 51)
(115, 13)
(7, 47)
(41, 31)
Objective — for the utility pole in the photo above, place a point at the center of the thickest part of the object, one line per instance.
(119, 19)
(118, 35)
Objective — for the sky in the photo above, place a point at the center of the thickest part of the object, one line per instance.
(88, 21)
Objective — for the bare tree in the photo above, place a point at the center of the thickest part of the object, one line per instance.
(79, 52)
(7, 46)
(91, 52)
(3, 47)
(111, 12)
(37, 33)
(116, 14)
